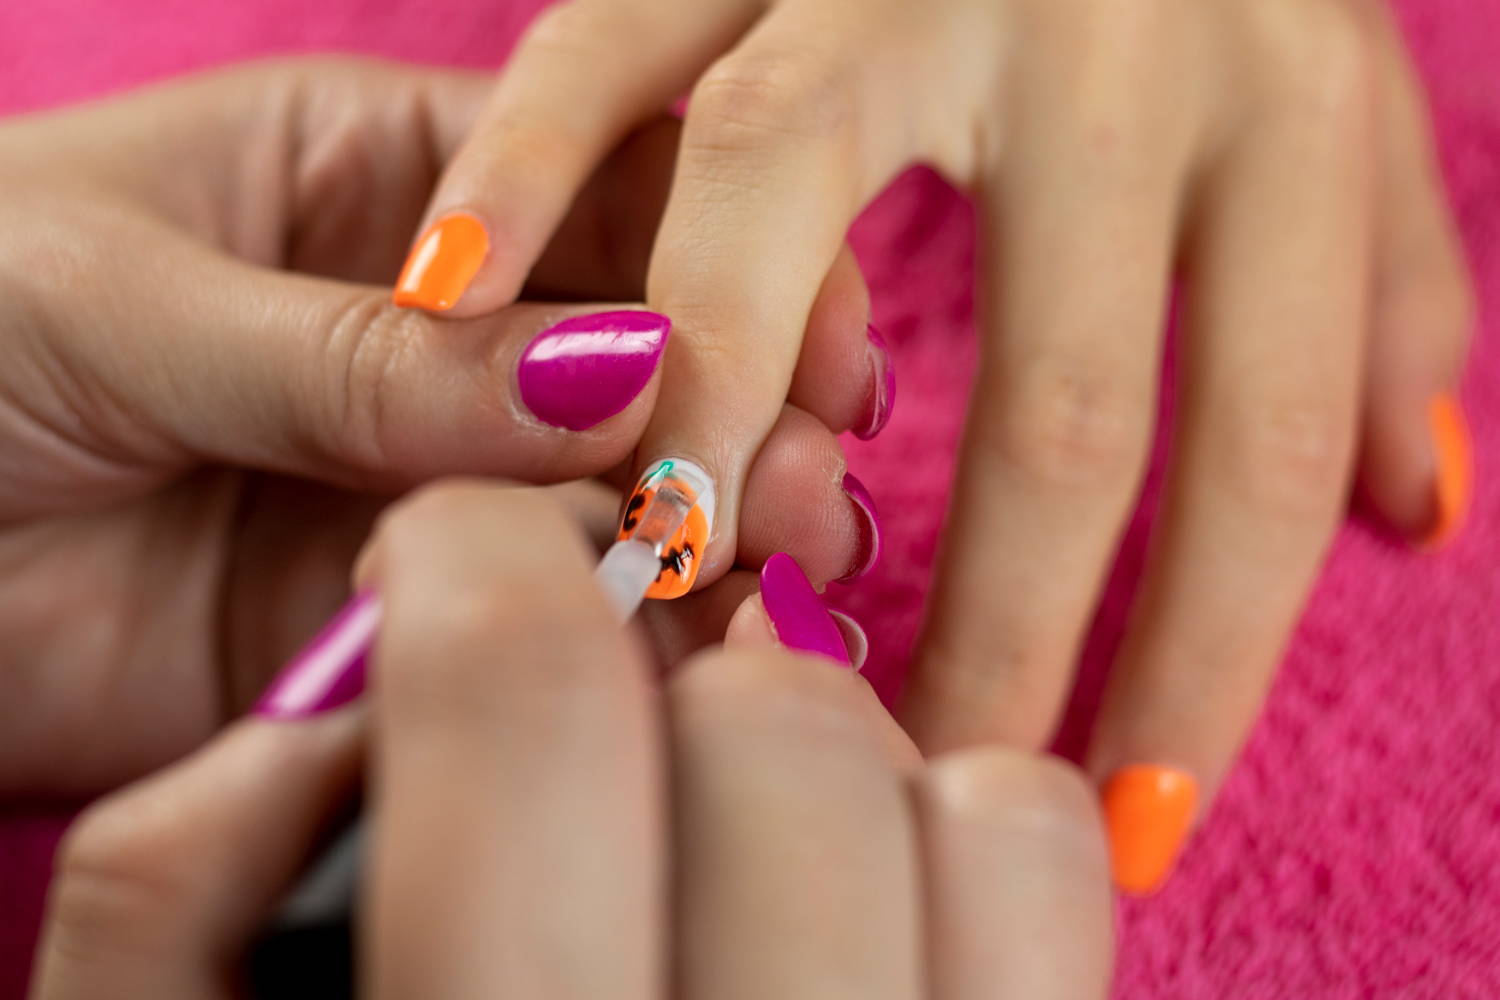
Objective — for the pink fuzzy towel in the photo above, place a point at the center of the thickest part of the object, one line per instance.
(1353, 851)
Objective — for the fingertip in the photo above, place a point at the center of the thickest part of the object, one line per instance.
(1418, 469)
(749, 627)
(583, 370)
(842, 370)
(443, 263)
(1148, 812)
(796, 500)
(1453, 481)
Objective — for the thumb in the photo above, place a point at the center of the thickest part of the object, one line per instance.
(200, 357)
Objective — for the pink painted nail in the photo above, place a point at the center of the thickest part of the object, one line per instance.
(870, 530)
(330, 670)
(882, 389)
(588, 368)
(797, 614)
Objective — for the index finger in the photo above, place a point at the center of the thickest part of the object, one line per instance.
(514, 764)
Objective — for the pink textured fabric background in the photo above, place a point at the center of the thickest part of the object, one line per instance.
(1352, 853)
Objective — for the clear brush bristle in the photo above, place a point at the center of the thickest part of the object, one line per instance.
(630, 566)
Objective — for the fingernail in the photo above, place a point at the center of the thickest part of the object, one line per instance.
(870, 531)
(588, 368)
(681, 542)
(443, 263)
(855, 640)
(330, 670)
(798, 616)
(1454, 483)
(1148, 810)
(882, 388)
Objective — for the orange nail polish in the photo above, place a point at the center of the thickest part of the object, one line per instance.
(1148, 810)
(682, 553)
(1454, 482)
(443, 263)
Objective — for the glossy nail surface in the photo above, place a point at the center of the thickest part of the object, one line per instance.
(588, 368)
(330, 670)
(443, 263)
(1148, 810)
(1454, 469)
(870, 535)
(882, 398)
(798, 616)
(681, 544)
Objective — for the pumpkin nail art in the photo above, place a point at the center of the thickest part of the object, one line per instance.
(679, 543)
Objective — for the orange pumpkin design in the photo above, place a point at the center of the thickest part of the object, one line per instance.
(681, 555)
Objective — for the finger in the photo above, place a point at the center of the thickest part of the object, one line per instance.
(775, 160)
(326, 380)
(513, 711)
(800, 499)
(158, 889)
(844, 375)
(1275, 318)
(787, 612)
(1416, 462)
(1059, 422)
(566, 98)
(793, 835)
(279, 161)
(1016, 869)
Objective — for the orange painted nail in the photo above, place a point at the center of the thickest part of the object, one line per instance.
(1454, 484)
(443, 263)
(682, 553)
(1148, 810)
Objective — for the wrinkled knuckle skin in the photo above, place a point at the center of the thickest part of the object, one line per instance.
(369, 344)
(1071, 427)
(744, 104)
(1292, 459)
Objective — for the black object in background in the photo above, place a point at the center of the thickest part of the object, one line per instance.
(308, 948)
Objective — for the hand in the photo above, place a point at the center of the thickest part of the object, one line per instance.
(1277, 150)
(534, 796)
(205, 396)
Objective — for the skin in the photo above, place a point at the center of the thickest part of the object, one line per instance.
(759, 827)
(206, 398)
(1274, 154)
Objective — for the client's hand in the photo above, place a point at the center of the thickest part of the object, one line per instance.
(547, 823)
(194, 331)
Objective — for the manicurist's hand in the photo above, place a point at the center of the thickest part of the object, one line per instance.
(1276, 151)
(206, 395)
(548, 822)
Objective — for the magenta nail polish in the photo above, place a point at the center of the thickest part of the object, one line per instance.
(882, 389)
(588, 368)
(870, 531)
(330, 670)
(797, 614)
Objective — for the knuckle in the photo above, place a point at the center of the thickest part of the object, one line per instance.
(742, 102)
(1321, 60)
(1292, 457)
(524, 606)
(369, 344)
(767, 689)
(116, 870)
(1031, 795)
(1071, 424)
